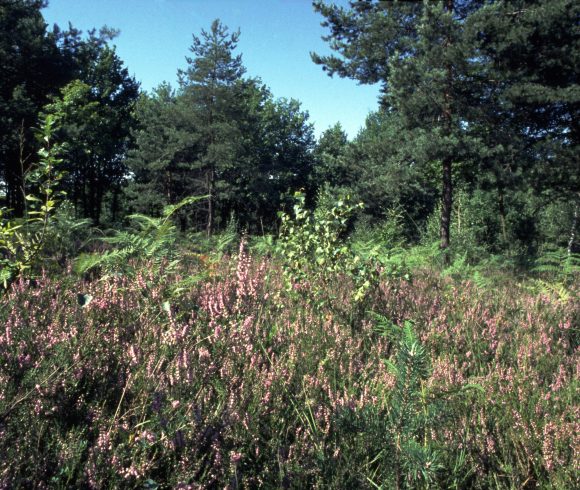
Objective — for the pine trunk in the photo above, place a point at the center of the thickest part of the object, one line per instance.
(502, 214)
(446, 204)
(447, 164)
(572, 239)
(210, 177)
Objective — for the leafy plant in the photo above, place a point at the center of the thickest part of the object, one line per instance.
(315, 238)
(558, 264)
(67, 235)
(313, 245)
(154, 240)
(263, 245)
(23, 239)
(558, 270)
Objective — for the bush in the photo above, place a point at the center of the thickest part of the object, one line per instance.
(23, 240)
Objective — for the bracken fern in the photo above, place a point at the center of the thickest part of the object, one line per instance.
(154, 240)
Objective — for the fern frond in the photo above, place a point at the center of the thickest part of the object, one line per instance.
(168, 211)
(87, 262)
(154, 240)
(225, 240)
(559, 263)
(146, 222)
(385, 327)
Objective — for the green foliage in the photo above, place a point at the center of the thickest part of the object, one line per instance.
(382, 244)
(95, 112)
(313, 244)
(558, 271)
(414, 461)
(559, 264)
(315, 238)
(222, 135)
(210, 85)
(33, 68)
(22, 240)
(163, 154)
(315, 247)
(67, 234)
(331, 165)
(471, 231)
(389, 168)
(380, 237)
(483, 90)
(154, 240)
(219, 244)
(263, 245)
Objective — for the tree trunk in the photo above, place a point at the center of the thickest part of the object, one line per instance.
(446, 204)
(572, 239)
(210, 177)
(98, 203)
(447, 164)
(502, 216)
(14, 197)
(168, 187)
(115, 204)
(14, 176)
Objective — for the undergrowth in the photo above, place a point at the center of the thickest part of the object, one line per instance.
(231, 380)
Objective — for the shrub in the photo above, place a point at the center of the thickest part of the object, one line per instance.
(22, 240)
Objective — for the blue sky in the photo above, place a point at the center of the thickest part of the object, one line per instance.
(276, 39)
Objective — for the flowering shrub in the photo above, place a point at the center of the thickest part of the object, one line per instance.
(236, 383)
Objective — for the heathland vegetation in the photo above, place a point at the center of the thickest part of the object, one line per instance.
(195, 292)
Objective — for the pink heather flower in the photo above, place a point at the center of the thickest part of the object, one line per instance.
(147, 436)
(133, 355)
(131, 472)
(38, 407)
(203, 354)
(104, 442)
(490, 444)
(548, 445)
(175, 403)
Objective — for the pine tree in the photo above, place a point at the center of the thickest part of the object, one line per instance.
(414, 50)
(532, 53)
(487, 91)
(389, 170)
(211, 83)
(165, 146)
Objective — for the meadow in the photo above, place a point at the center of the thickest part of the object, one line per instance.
(220, 371)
